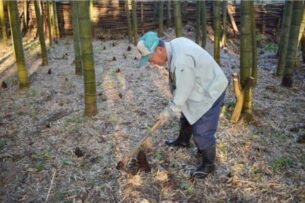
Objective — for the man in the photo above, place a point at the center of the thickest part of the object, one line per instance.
(198, 86)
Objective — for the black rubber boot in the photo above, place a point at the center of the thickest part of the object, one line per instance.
(184, 137)
(198, 154)
(207, 166)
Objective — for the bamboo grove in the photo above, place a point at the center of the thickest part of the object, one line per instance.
(291, 37)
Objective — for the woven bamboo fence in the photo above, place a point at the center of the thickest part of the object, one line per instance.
(109, 16)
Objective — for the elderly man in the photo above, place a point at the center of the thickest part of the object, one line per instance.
(198, 86)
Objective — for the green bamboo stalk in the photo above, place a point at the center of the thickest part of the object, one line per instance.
(134, 21)
(161, 18)
(280, 44)
(52, 20)
(203, 25)
(178, 19)
(91, 13)
(76, 38)
(18, 46)
(198, 17)
(49, 22)
(254, 44)
(87, 58)
(224, 23)
(25, 16)
(91, 10)
(284, 38)
(44, 54)
(245, 53)
(303, 47)
(43, 15)
(296, 20)
(302, 27)
(217, 30)
(56, 25)
(3, 26)
(127, 11)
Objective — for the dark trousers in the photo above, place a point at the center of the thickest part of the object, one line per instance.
(205, 128)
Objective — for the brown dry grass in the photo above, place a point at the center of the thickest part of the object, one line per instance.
(258, 162)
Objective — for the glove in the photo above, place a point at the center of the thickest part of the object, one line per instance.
(164, 116)
(171, 110)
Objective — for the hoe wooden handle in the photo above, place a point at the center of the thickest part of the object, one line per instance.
(152, 131)
(135, 151)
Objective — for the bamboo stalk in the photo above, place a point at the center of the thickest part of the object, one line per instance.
(239, 93)
(230, 13)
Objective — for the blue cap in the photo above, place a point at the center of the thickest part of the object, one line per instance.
(147, 45)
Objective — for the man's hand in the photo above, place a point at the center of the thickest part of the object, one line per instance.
(170, 111)
(164, 116)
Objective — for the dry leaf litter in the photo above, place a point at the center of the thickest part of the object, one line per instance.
(43, 129)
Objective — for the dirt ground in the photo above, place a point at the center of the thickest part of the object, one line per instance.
(49, 149)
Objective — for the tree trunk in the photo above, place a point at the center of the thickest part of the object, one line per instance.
(87, 58)
(3, 25)
(49, 22)
(178, 20)
(17, 41)
(76, 38)
(44, 54)
(293, 43)
(198, 16)
(254, 45)
(134, 21)
(245, 53)
(203, 25)
(217, 30)
(161, 17)
(169, 13)
(224, 23)
(127, 11)
(284, 38)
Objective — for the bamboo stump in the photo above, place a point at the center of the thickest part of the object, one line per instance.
(239, 95)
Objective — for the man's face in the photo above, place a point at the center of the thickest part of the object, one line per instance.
(158, 57)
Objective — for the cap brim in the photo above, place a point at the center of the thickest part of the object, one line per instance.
(144, 60)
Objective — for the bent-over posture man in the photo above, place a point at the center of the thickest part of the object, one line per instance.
(198, 86)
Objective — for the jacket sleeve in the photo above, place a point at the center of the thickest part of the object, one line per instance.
(185, 80)
(184, 77)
